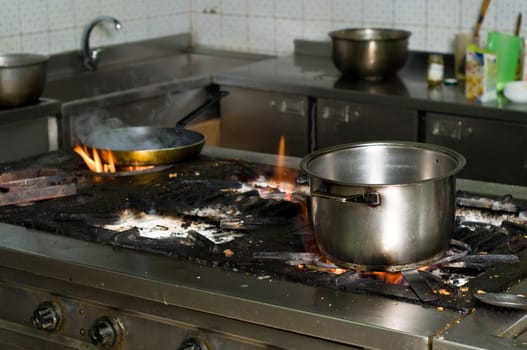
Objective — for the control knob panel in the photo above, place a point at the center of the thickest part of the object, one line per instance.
(47, 316)
(105, 332)
(194, 344)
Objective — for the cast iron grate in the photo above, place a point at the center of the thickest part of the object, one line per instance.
(211, 192)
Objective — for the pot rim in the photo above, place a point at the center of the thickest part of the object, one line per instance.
(460, 159)
(395, 34)
(16, 60)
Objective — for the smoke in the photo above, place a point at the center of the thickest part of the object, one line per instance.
(100, 128)
(97, 129)
(92, 122)
(135, 138)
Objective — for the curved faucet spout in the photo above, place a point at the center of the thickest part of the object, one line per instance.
(90, 57)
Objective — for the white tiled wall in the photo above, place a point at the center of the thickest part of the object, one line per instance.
(52, 26)
(265, 26)
(269, 26)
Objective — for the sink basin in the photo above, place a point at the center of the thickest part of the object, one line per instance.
(117, 78)
(150, 90)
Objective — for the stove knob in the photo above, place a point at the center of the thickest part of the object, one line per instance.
(47, 316)
(194, 344)
(105, 332)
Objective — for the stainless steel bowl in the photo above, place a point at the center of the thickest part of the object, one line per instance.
(22, 79)
(369, 53)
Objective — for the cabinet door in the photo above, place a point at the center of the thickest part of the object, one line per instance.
(26, 138)
(342, 122)
(255, 120)
(495, 151)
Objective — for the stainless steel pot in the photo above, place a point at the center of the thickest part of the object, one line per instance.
(22, 79)
(383, 205)
(369, 53)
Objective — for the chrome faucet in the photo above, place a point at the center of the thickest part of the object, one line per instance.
(90, 57)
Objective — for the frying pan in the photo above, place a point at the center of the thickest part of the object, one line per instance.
(147, 145)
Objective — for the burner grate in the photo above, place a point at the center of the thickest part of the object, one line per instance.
(215, 193)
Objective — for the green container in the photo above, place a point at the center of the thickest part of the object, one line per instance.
(507, 48)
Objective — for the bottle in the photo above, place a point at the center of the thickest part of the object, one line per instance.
(436, 70)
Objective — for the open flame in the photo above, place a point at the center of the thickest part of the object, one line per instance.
(324, 264)
(94, 161)
(283, 177)
(386, 277)
(282, 183)
(279, 175)
(382, 276)
(315, 267)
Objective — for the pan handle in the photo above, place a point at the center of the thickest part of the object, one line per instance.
(370, 198)
(211, 100)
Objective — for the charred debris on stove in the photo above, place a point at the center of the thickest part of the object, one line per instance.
(206, 192)
(492, 232)
(275, 234)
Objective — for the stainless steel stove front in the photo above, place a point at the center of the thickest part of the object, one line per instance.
(122, 299)
(74, 317)
(63, 293)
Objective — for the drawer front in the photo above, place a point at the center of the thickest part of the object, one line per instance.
(495, 151)
(343, 122)
(255, 120)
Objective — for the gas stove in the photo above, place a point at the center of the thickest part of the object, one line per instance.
(209, 254)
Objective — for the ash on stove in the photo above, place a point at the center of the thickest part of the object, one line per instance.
(220, 199)
(494, 249)
(188, 212)
(205, 211)
(162, 227)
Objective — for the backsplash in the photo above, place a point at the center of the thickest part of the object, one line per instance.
(270, 26)
(262, 26)
(52, 26)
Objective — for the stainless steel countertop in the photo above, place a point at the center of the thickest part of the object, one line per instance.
(44, 108)
(315, 75)
(360, 320)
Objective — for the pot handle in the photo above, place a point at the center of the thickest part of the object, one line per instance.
(370, 198)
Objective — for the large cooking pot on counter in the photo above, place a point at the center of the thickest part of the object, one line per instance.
(383, 205)
(369, 53)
